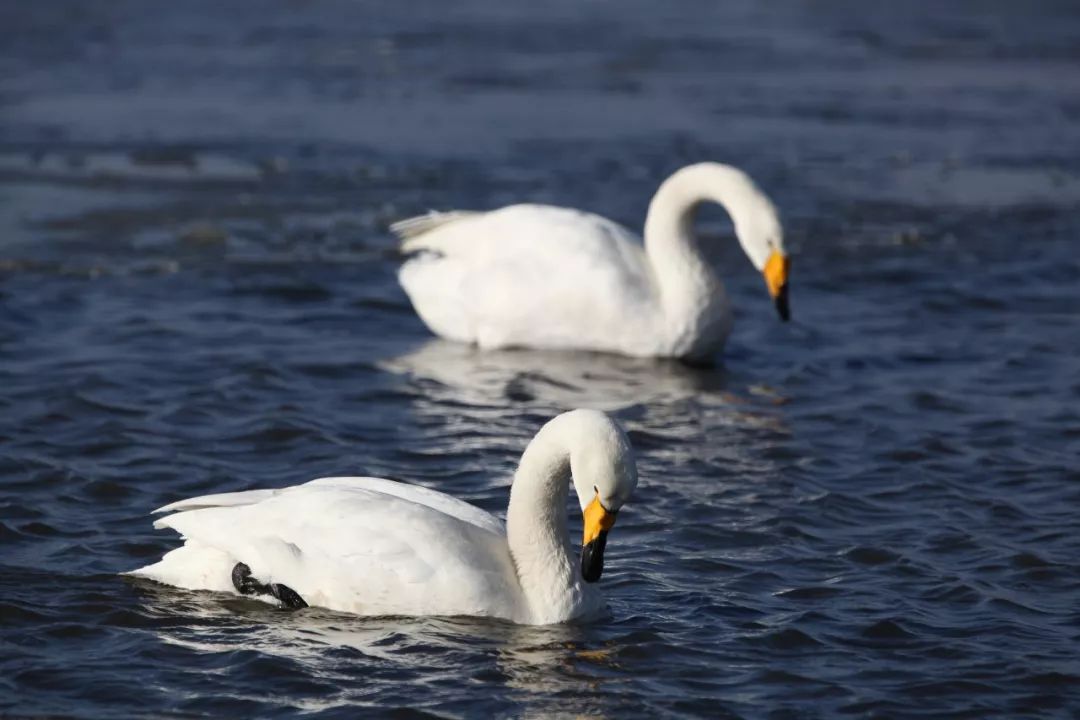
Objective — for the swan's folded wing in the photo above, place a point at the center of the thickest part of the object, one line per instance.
(421, 495)
(411, 230)
(530, 274)
(347, 546)
(244, 497)
(543, 230)
(414, 493)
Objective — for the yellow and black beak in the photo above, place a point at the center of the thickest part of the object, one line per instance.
(598, 520)
(776, 279)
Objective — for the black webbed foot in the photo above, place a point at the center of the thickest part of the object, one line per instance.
(287, 596)
(245, 584)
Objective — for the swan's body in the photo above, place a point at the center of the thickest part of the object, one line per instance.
(377, 547)
(550, 277)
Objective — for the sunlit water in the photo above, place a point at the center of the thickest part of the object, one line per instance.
(869, 512)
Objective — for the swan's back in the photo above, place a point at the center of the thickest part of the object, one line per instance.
(532, 275)
(361, 545)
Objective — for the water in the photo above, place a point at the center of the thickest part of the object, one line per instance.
(868, 512)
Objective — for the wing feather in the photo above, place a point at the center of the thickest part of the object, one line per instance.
(363, 545)
(411, 230)
(245, 497)
(532, 275)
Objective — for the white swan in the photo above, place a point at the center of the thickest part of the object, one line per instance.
(549, 277)
(378, 547)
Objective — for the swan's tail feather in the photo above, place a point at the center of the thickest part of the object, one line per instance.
(411, 229)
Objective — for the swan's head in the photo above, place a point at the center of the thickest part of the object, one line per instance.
(757, 224)
(758, 228)
(605, 475)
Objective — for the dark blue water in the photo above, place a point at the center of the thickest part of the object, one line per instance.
(870, 512)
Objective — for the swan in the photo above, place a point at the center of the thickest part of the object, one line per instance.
(371, 546)
(550, 277)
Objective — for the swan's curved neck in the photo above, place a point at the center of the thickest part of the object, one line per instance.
(536, 527)
(688, 287)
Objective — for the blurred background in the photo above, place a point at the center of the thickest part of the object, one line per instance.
(868, 511)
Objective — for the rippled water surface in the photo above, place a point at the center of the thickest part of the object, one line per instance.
(869, 512)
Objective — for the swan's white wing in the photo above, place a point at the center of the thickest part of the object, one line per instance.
(246, 497)
(530, 275)
(414, 493)
(361, 545)
(415, 227)
(442, 502)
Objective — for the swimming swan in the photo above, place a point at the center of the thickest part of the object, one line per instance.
(378, 547)
(550, 277)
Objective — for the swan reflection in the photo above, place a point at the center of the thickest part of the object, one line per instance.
(364, 658)
(465, 374)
